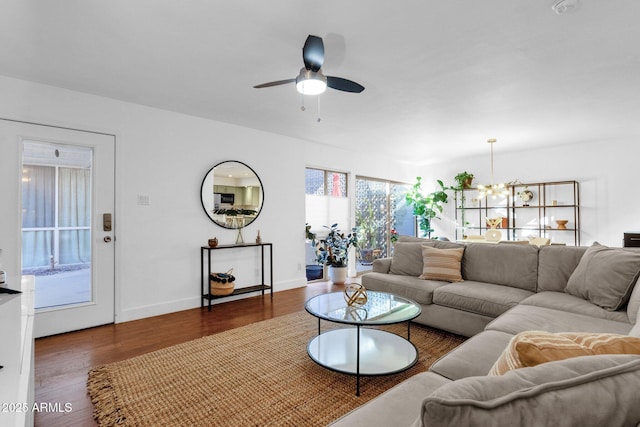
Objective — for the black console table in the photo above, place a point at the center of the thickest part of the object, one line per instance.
(204, 275)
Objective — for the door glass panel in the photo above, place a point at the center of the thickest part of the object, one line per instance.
(56, 222)
(381, 214)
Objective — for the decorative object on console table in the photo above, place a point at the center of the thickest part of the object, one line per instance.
(258, 238)
(213, 242)
(222, 284)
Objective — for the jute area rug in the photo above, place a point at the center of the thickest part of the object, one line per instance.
(255, 375)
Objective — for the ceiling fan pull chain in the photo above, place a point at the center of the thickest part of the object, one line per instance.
(302, 107)
(318, 109)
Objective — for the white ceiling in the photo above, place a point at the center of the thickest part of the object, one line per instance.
(441, 77)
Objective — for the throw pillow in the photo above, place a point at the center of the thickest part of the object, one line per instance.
(605, 276)
(532, 348)
(442, 264)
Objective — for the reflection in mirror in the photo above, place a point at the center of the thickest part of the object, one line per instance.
(232, 194)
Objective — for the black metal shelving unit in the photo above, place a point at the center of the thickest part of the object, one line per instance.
(261, 287)
(541, 211)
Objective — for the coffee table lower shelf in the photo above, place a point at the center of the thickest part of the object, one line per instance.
(362, 352)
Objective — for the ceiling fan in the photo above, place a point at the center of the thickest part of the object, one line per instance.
(311, 80)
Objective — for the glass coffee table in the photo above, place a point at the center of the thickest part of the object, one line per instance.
(356, 349)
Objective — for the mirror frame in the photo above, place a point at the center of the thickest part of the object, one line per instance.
(202, 201)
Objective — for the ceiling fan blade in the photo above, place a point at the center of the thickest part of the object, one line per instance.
(313, 53)
(276, 83)
(344, 85)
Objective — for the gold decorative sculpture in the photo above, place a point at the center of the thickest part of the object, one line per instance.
(355, 294)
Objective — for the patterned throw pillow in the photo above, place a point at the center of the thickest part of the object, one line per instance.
(532, 348)
(442, 264)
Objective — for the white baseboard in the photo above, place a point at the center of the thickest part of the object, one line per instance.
(151, 310)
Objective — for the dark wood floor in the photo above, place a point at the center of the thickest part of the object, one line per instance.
(63, 361)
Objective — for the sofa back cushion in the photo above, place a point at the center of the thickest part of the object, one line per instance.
(407, 258)
(556, 264)
(502, 264)
(586, 390)
(605, 276)
(407, 254)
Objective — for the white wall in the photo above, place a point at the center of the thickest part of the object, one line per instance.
(165, 156)
(605, 170)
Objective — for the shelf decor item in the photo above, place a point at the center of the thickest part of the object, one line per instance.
(526, 196)
(494, 235)
(464, 180)
(355, 295)
(222, 283)
(562, 224)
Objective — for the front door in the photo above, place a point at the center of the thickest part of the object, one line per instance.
(66, 223)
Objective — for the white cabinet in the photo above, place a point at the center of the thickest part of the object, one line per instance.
(17, 356)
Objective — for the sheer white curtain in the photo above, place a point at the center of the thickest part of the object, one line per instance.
(74, 211)
(38, 215)
(45, 238)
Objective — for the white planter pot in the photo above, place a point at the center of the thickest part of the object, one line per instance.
(338, 275)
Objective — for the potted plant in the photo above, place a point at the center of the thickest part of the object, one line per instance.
(464, 180)
(333, 250)
(313, 271)
(367, 230)
(426, 208)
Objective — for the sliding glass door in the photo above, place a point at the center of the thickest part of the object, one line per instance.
(381, 214)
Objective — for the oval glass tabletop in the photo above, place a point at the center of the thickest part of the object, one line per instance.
(382, 308)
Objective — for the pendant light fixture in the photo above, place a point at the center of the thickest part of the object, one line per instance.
(493, 190)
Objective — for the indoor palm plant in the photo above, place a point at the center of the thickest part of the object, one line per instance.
(333, 250)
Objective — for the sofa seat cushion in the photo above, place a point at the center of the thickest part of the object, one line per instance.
(605, 276)
(581, 391)
(503, 264)
(478, 297)
(532, 348)
(533, 318)
(565, 302)
(474, 357)
(399, 406)
(419, 290)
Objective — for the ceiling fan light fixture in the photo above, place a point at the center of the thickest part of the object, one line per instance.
(311, 82)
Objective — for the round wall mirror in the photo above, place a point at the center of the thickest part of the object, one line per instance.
(232, 194)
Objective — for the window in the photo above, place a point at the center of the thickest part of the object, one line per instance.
(326, 200)
(380, 208)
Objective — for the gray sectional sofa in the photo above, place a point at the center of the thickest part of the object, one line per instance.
(508, 289)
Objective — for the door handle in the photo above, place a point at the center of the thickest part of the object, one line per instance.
(107, 239)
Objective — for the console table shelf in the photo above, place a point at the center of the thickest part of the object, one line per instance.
(204, 274)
